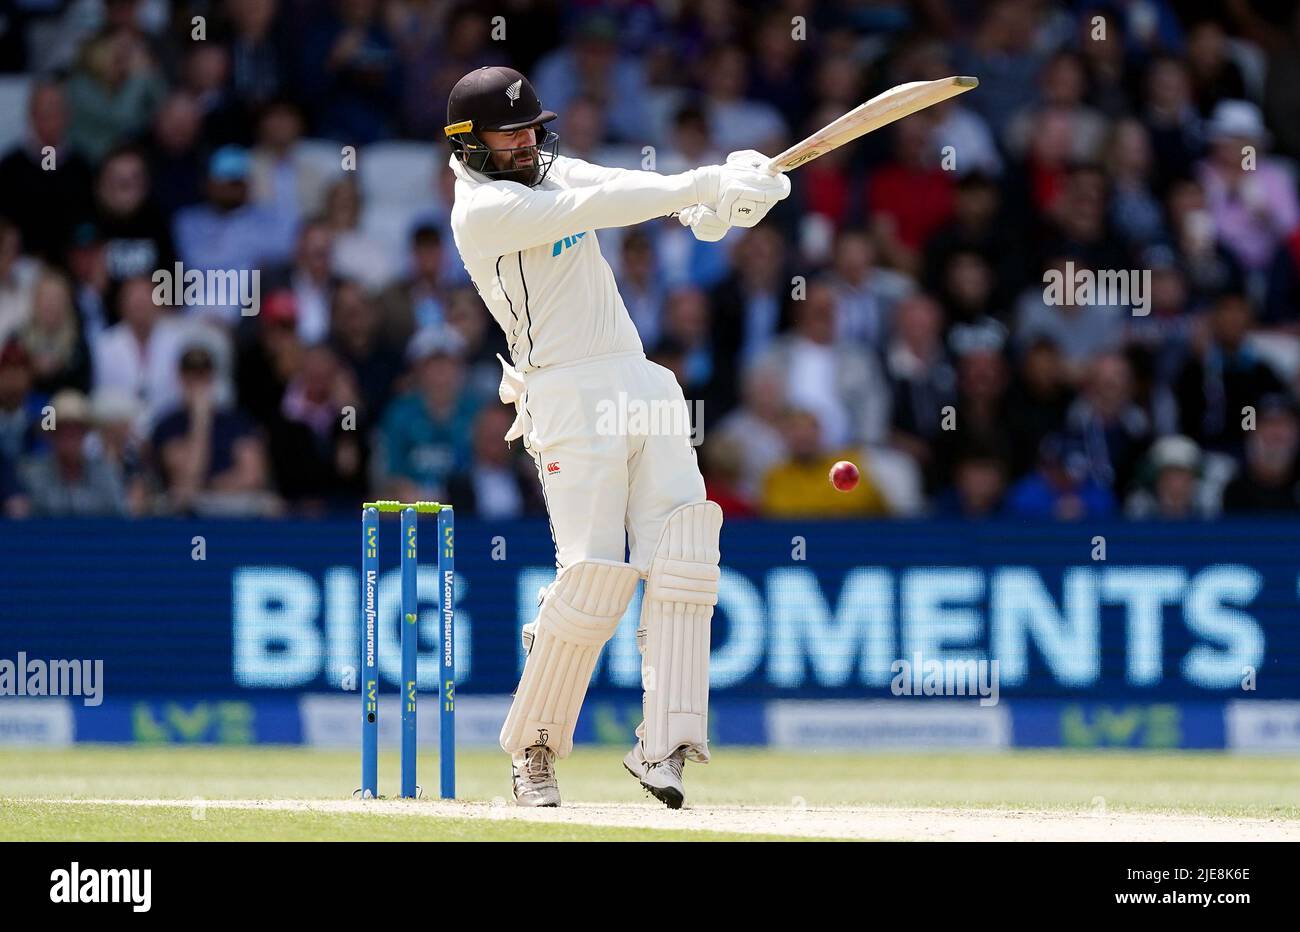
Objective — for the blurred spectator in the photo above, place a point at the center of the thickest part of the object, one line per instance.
(1172, 489)
(910, 197)
(979, 485)
(356, 254)
(418, 300)
(723, 466)
(982, 405)
(468, 316)
(356, 338)
(687, 325)
(640, 286)
(349, 68)
(736, 122)
(749, 306)
(134, 232)
(1252, 199)
(1043, 395)
(19, 407)
(228, 232)
(117, 439)
(922, 382)
(1063, 88)
(753, 429)
(865, 295)
(258, 61)
(1282, 89)
(1135, 210)
(592, 65)
(1210, 269)
(176, 165)
(318, 455)
(800, 486)
(1223, 377)
(1171, 118)
(503, 482)
(69, 480)
(210, 458)
(310, 279)
(1270, 481)
(426, 434)
(53, 339)
(281, 179)
(268, 357)
(1002, 53)
(1114, 430)
(1214, 75)
(839, 382)
(44, 204)
(113, 92)
(138, 355)
(1060, 488)
(206, 77)
(17, 279)
(979, 225)
(1081, 331)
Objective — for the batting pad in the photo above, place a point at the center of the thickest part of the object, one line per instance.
(681, 590)
(579, 613)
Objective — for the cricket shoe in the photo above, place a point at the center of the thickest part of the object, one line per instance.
(662, 779)
(533, 770)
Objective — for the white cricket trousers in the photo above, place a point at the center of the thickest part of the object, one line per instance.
(611, 439)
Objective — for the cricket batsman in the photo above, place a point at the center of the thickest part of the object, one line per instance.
(521, 220)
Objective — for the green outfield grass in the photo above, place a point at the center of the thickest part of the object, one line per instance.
(1196, 783)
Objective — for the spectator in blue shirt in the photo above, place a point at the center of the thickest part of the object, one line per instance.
(425, 436)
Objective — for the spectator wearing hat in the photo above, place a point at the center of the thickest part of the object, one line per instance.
(210, 458)
(45, 205)
(68, 480)
(1171, 489)
(116, 416)
(1254, 206)
(425, 435)
(229, 232)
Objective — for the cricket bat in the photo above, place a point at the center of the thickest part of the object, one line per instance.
(881, 110)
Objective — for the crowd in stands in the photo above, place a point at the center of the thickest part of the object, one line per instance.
(893, 311)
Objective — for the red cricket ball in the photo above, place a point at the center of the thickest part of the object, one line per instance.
(844, 476)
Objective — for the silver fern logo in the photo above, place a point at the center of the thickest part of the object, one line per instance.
(514, 90)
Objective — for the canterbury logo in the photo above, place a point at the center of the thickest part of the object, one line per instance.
(514, 90)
